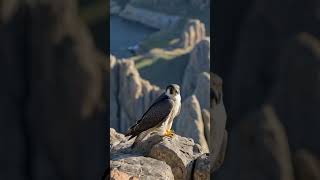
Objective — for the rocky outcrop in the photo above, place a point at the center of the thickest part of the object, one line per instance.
(202, 168)
(271, 55)
(218, 134)
(190, 122)
(306, 165)
(140, 167)
(149, 18)
(160, 157)
(262, 149)
(202, 90)
(193, 32)
(130, 94)
(199, 62)
(52, 93)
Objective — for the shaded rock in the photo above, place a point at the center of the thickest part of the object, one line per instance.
(306, 165)
(202, 168)
(206, 121)
(140, 167)
(190, 123)
(130, 94)
(194, 31)
(199, 62)
(149, 18)
(53, 80)
(202, 90)
(296, 96)
(262, 150)
(179, 153)
(217, 154)
(218, 139)
(218, 117)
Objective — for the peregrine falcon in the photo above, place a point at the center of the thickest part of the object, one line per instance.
(160, 115)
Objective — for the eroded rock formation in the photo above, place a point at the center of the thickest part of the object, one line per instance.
(177, 157)
(130, 94)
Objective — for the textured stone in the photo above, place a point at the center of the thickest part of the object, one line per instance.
(202, 168)
(190, 123)
(130, 94)
(143, 168)
(179, 153)
(199, 62)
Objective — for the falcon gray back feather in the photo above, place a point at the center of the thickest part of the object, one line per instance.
(153, 117)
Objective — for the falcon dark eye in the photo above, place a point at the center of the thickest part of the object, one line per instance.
(171, 91)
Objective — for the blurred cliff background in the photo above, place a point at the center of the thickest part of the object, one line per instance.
(267, 53)
(53, 83)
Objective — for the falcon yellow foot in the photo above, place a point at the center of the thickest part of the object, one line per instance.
(169, 133)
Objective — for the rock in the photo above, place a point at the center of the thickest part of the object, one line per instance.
(306, 165)
(217, 154)
(179, 153)
(199, 62)
(149, 18)
(194, 31)
(206, 121)
(190, 122)
(177, 157)
(140, 167)
(262, 150)
(202, 168)
(119, 175)
(115, 138)
(131, 95)
(218, 139)
(53, 100)
(202, 90)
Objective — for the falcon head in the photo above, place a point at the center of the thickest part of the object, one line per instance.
(173, 91)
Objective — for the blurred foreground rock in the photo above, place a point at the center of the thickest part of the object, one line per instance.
(52, 107)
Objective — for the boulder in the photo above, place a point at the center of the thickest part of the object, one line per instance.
(190, 123)
(179, 153)
(202, 168)
(140, 167)
(158, 157)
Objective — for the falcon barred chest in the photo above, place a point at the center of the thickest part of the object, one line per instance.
(159, 117)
